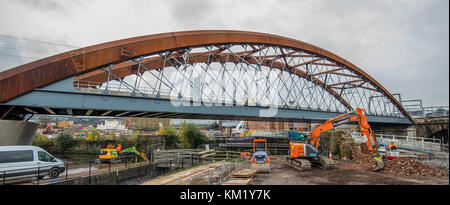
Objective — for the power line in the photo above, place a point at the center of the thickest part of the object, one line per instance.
(40, 53)
(23, 49)
(46, 42)
(27, 57)
(33, 50)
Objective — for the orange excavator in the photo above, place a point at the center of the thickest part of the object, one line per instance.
(303, 154)
(260, 158)
(48, 129)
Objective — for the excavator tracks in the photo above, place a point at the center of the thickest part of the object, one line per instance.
(305, 164)
(300, 164)
(323, 163)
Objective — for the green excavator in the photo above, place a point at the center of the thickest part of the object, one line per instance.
(112, 151)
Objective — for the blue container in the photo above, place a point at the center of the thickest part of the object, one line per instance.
(294, 135)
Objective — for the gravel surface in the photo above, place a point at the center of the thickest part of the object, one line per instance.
(408, 167)
(345, 173)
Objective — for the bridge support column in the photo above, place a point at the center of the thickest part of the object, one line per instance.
(14, 132)
(411, 131)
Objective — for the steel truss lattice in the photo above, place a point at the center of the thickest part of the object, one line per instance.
(243, 74)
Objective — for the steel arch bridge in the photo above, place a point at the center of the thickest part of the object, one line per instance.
(214, 74)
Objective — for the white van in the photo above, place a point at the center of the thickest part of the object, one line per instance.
(26, 161)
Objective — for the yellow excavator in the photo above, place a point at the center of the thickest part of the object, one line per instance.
(303, 154)
(111, 151)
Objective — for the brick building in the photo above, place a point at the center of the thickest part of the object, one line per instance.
(261, 125)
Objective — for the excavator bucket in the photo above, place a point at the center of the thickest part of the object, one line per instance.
(261, 168)
(261, 162)
(379, 164)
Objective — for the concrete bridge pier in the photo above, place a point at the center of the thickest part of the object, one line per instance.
(15, 132)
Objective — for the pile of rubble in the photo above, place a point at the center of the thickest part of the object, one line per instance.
(364, 161)
(408, 167)
(402, 166)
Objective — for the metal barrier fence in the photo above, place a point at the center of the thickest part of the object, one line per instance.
(170, 159)
(166, 155)
(212, 175)
(199, 155)
(40, 174)
(194, 154)
(406, 141)
(436, 152)
(24, 175)
(413, 142)
(218, 175)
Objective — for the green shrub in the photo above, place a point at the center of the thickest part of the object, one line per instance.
(42, 141)
(64, 141)
(171, 137)
(191, 136)
(93, 139)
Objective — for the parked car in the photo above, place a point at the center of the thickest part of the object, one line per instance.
(28, 161)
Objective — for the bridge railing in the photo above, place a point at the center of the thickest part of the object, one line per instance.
(436, 111)
(169, 94)
(431, 111)
(89, 87)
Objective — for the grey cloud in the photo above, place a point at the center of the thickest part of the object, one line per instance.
(45, 5)
(9, 54)
(194, 13)
(402, 44)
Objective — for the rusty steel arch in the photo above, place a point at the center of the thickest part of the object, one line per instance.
(85, 63)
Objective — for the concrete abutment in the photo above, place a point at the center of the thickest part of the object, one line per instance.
(15, 132)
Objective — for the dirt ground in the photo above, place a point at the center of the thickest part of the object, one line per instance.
(282, 174)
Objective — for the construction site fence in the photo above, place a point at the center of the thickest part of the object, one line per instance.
(217, 175)
(166, 155)
(198, 154)
(206, 155)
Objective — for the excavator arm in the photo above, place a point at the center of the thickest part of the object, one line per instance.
(133, 150)
(356, 115)
(48, 129)
(300, 158)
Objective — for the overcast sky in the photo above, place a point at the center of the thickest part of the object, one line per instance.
(403, 44)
